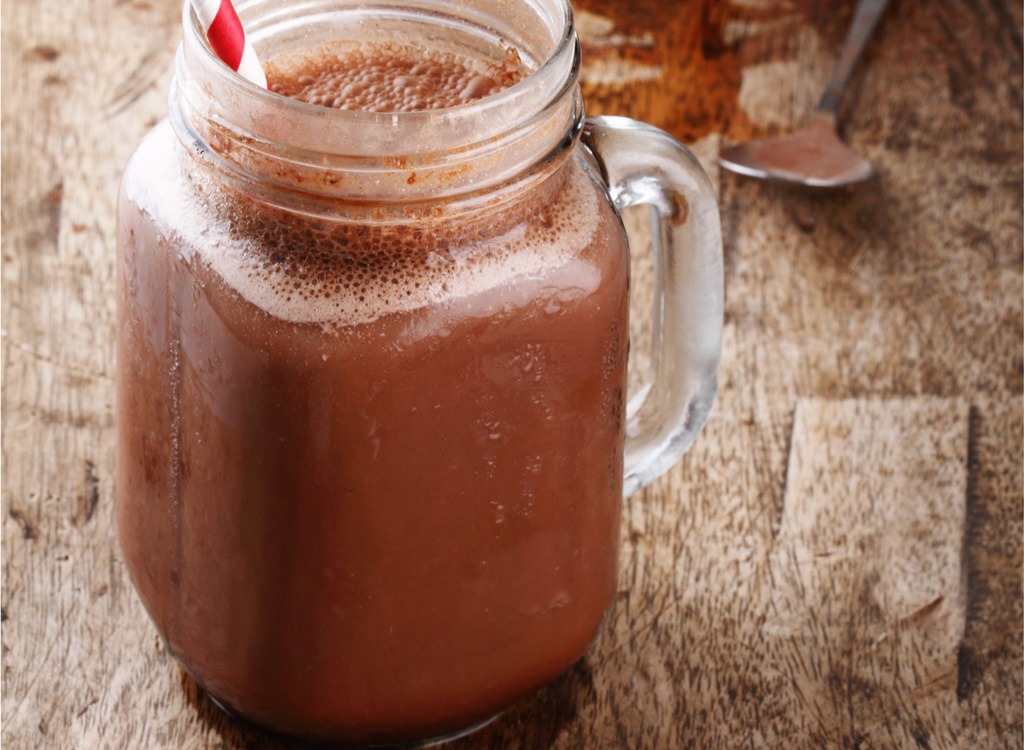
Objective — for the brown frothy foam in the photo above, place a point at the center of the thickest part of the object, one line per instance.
(347, 274)
(389, 76)
(308, 270)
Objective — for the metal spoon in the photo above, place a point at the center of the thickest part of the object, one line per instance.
(814, 155)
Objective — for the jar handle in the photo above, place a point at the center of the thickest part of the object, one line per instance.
(644, 165)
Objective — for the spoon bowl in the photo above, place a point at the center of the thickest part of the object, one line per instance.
(812, 155)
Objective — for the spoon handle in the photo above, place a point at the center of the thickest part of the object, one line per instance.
(865, 18)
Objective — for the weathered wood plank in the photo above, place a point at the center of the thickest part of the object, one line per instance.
(867, 611)
(72, 628)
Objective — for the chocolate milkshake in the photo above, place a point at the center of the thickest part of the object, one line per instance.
(370, 472)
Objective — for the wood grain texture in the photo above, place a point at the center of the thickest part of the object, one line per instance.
(837, 562)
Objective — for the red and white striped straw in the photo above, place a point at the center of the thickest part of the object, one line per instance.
(227, 37)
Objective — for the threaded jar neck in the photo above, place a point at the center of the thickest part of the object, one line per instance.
(289, 151)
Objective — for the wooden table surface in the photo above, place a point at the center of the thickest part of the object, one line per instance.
(838, 560)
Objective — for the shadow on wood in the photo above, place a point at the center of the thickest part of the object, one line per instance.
(536, 722)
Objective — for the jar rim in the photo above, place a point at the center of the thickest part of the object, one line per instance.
(454, 128)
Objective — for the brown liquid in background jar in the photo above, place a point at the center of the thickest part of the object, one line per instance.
(369, 477)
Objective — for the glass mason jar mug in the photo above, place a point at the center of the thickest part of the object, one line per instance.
(372, 426)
